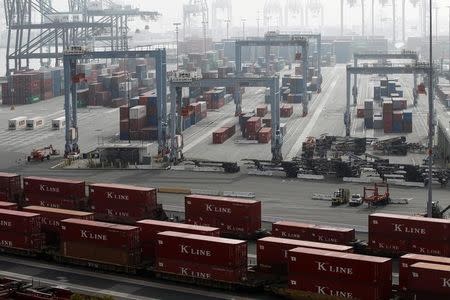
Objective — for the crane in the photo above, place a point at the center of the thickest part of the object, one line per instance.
(272, 11)
(192, 10)
(351, 3)
(294, 8)
(221, 11)
(316, 7)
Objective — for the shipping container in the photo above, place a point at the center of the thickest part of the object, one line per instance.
(8, 205)
(10, 187)
(409, 259)
(194, 248)
(385, 244)
(51, 218)
(19, 222)
(313, 232)
(334, 288)
(56, 202)
(429, 278)
(261, 110)
(265, 135)
(35, 123)
(100, 234)
(202, 271)
(429, 247)
(59, 123)
(348, 266)
(29, 242)
(409, 227)
(234, 216)
(272, 252)
(17, 123)
(53, 187)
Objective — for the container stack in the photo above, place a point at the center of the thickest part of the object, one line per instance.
(253, 126)
(122, 204)
(26, 88)
(265, 135)
(398, 234)
(20, 230)
(57, 81)
(407, 121)
(46, 84)
(138, 120)
(387, 116)
(399, 103)
(198, 256)
(149, 230)
(224, 133)
(224, 213)
(286, 110)
(368, 114)
(82, 98)
(214, 98)
(10, 187)
(397, 121)
(100, 242)
(51, 218)
(56, 193)
(261, 110)
(272, 252)
(333, 273)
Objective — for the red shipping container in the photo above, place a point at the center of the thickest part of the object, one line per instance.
(220, 136)
(234, 216)
(386, 244)
(124, 125)
(312, 232)
(272, 252)
(202, 271)
(408, 227)
(150, 229)
(337, 289)
(98, 233)
(253, 125)
(261, 110)
(12, 240)
(348, 266)
(126, 194)
(429, 278)
(8, 205)
(430, 247)
(19, 222)
(138, 124)
(265, 135)
(360, 112)
(201, 249)
(53, 187)
(51, 217)
(409, 259)
(9, 183)
(124, 112)
(56, 202)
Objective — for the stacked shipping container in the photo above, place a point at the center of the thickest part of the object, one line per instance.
(56, 193)
(100, 242)
(10, 187)
(122, 203)
(272, 252)
(235, 217)
(204, 257)
(397, 234)
(20, 230)
(341, 275)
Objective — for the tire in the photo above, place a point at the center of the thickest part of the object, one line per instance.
(28, 158)
(48, 157)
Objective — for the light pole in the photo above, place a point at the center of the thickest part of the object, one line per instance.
(205, 26)
(243, 27)
(257, 24)
(393, 22)
(228, 27)
(436, 22)
(177, 31)
(449, 36)
(430, 121)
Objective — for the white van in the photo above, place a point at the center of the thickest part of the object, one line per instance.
(36, 122)
(59, 123)
(17, 123)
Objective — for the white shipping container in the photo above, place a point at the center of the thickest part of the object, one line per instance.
(59, 123)
(203, 106)
(36, 122)
(17, 123)
(138, 112)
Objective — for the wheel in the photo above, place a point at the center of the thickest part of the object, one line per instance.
(48, 157)
(28, 158)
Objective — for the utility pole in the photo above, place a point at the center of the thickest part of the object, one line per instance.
(257, 24)
(403, 21)
(228, 27)
(342, 17)
(177, 31)
(205, 25)
(448, 36)
(373, 18)
(362, 17)
(243, 27)
(393, 21)
(436, 22)
(430, 121)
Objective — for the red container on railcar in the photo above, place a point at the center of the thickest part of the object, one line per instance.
(201, 249)
(429, 278)
(53, 187)
(19, 222)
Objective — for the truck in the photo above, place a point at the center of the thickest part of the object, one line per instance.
(341, 196)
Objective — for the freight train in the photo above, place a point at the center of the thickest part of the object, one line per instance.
(117, 231)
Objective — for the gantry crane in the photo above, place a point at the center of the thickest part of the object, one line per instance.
(220, 8)
(71, 79)
(294, 8)
(272, 11)
(192, 10)
(178, 82)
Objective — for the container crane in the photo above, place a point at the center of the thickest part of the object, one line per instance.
(294, 8)
(192, 10)
(221, 10)
(272, 11)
